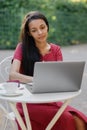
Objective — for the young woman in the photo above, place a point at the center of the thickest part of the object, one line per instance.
(34, 47)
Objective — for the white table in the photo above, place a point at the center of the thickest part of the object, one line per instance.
(27, 97)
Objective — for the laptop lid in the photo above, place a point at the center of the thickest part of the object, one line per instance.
(63, 76)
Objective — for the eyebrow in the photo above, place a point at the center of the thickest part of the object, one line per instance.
(40, 25)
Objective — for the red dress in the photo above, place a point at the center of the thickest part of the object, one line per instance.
(41, 114)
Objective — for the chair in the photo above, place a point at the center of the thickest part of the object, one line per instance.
(4, 74)
(5, 115)
(4, 68)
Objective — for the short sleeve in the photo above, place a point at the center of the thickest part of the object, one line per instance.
(18, 52)
(56, 50)
(59, 56)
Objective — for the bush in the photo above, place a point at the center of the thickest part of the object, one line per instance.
(68, 20)
(70, 25)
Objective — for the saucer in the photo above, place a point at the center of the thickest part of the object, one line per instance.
(12, 94)
(1, 86)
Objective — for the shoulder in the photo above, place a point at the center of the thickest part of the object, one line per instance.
(54, 46)
(18, 52)
(56, 50)
(19, 46)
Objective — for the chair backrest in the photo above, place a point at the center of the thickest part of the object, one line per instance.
(5, 65)
(5, 68)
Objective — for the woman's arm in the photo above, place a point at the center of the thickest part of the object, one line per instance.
(16, 75)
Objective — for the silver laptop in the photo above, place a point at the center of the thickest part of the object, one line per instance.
(63, 76)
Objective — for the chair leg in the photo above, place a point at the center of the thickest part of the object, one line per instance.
(14, 125)
(5, 125)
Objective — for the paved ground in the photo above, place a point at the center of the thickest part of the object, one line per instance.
(78, 52)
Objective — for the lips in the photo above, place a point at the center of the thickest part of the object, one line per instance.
(41, 37)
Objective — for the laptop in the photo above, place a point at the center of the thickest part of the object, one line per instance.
(52, 77)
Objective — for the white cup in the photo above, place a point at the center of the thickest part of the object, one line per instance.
(10, 87)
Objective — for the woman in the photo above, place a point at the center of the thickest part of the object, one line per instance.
(35, 47)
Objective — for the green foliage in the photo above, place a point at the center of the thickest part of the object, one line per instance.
(9, 29)
(70, 23)
(68, 20)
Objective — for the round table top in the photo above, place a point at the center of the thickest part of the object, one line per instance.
(23, 95)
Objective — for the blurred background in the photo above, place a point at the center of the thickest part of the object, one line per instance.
(67, 19)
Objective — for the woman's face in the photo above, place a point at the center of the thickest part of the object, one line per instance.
(38, 30)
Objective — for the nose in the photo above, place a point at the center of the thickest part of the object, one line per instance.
(39, 31)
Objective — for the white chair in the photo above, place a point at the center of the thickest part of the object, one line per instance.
(7, 120)
(4, 74)
(4, 68)
(6, 116)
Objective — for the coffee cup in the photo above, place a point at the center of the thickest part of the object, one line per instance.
(10, 87)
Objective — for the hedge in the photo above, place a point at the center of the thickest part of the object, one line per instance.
(68, 21)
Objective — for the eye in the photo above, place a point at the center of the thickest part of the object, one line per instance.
(43, 27)
(33, 30)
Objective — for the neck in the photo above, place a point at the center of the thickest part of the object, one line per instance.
(44, 48)
(41, 46)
